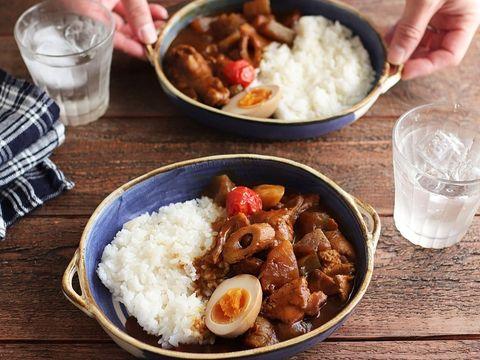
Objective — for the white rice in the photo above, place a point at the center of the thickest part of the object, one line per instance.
(326, 71)
(148, 267)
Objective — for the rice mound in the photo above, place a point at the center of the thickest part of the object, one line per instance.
(326, 71)
(148, 267)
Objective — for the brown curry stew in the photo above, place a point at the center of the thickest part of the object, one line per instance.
(215, 57)
(290, 245)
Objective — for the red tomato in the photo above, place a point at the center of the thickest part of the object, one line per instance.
(243, 200)
(239, 72)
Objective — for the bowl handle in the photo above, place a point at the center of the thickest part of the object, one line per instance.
(393, 77)
(67, 286)
(150, 51)
(372, 222)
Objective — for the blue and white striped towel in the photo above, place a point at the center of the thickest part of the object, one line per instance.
(29, 132)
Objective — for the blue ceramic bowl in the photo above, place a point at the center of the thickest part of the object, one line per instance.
(386, 75)
(185, 181)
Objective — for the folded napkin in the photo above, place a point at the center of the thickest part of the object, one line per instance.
(29, 132)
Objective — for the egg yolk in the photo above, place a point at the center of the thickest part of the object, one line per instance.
(230, 305)
(255, 97)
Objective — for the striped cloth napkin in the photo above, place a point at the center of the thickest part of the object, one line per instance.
(30, 130)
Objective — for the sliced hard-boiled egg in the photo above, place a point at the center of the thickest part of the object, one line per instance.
(234, 306)
(260, 101)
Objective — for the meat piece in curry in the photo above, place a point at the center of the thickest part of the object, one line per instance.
(193, 76)
(279, 268)
(288, 303)
(305, 266)
(261, 334)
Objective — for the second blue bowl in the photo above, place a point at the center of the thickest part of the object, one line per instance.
(274, 129)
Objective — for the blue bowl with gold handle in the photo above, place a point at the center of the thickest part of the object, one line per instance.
(386, 74)
(187, 180)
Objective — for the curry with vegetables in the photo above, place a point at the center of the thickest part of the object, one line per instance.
(278, 268)
(215, 58)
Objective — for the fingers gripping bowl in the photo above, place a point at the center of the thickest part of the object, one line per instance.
(185, 181)
(289, 125)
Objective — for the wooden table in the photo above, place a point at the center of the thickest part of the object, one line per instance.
(421, 303)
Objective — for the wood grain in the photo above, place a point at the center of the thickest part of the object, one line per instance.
(106, 154)
(412, 350)
(421, 303)
(414, 292)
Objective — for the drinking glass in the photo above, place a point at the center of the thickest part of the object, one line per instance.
(67, 47)
(436, 158)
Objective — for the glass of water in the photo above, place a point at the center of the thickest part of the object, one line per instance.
(436, 157)
(67, 48)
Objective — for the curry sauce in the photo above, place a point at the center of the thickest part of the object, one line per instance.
(290, 245)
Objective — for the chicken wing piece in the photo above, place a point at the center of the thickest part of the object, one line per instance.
(311, 220)
(339, 243)
(262, 333)
(298, 204)
(319, 281)
(280, 220)
(311, 243)
(187, 66)
(279, 268)
(288, 303)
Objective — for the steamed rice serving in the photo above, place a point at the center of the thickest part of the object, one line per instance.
(148, 267)
(326, 71)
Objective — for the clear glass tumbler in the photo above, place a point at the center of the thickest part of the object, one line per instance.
(67, 47)
(436, 158)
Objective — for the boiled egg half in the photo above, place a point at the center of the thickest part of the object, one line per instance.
(234, 306)
(260, 101)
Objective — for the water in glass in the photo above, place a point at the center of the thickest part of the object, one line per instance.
(69, 55)
(437, 177)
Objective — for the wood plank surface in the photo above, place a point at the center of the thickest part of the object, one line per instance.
(414, 292)
(357, 157)
(370, 350)
(122, 153)
(421, 303)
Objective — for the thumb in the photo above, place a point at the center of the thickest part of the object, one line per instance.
(410, 29)
(139, 18)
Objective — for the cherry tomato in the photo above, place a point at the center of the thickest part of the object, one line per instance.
(243, 200)
(239, 72)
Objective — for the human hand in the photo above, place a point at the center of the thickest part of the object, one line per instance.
(136, 22)
(432, 34)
